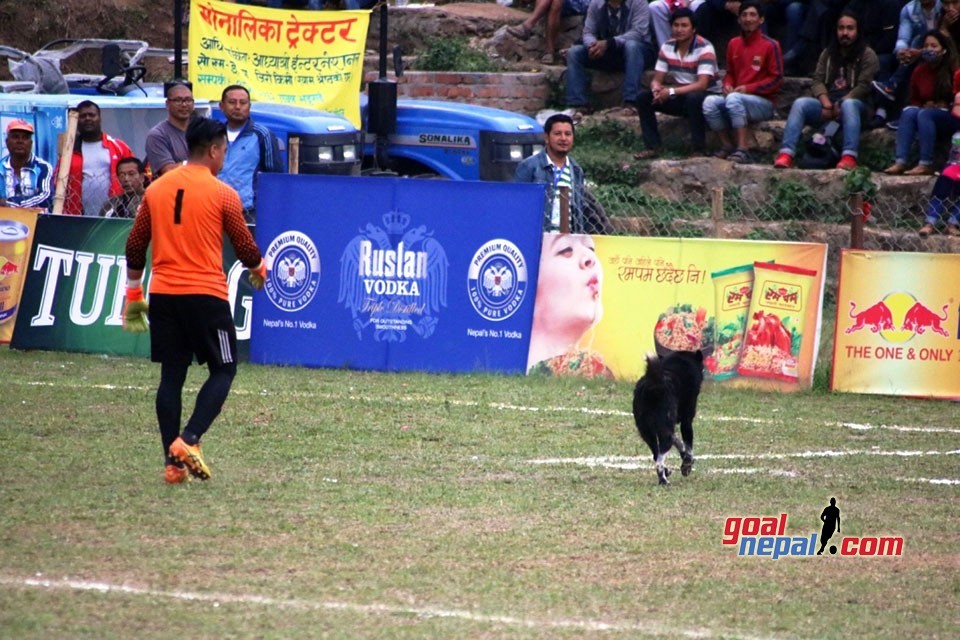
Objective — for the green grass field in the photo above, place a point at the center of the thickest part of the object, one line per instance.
(366, 505)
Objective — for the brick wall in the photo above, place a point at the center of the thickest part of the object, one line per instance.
(520, 92)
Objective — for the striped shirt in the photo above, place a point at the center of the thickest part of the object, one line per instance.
(31, 187)
(700, 60)
(562, 177)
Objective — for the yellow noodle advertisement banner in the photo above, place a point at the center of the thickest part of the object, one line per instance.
(897, 329)
(753, 308)
(306, 58)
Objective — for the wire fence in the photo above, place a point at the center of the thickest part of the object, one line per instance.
(789, 211)
(684, 195)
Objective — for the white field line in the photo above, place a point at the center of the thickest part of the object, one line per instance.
(892, 427)
(216, 599)
(613, 461)
(500, 406)
(941, 481)
(633, 463)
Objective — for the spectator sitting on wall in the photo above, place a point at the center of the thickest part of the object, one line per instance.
(616, 37)
(917, 18)
(251, 148)
(555, 11)
(133, 179)
(946, 194)
(27, 181)
(691, 62)
(878, 21)
(167, 141)
(783, 20)
(93, 164)
(750, 86)
(933, 86)
(840, 86)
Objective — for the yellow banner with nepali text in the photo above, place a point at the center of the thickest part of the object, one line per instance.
(305, 58)
(898, 324)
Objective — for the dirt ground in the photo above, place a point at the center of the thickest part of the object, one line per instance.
(29, 25)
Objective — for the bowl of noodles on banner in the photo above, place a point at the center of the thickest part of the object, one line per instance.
(684, 327)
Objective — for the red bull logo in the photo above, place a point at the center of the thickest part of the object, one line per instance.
(877, 317)
(919, 318)
(9, 268)
(898, 318)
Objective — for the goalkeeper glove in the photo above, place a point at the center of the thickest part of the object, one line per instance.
(135, 311)
(258, 275)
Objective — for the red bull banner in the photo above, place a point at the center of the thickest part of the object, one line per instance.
(897, 329)
(752, 308)
(16, 236)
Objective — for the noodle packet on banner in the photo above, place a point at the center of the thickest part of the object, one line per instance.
(733, 288)
(774, 333)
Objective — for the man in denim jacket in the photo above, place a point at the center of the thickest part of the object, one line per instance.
(554, 167)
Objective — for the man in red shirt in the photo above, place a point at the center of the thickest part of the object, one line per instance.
(754, 76)
(185, 213)
(93, 164)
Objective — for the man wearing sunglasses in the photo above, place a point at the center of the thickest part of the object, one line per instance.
(167, 141)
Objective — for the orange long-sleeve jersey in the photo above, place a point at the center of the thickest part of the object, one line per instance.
(185, 213)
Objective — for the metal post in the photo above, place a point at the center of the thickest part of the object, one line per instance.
(716, 211)
(564, 209)
(177, 38)
(856, 220)
(293, 154)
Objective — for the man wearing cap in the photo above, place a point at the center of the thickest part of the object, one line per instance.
(27, 180)
(93, 165)
(167, 141)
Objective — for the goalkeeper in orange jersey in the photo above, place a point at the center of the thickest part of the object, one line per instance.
(184, 214)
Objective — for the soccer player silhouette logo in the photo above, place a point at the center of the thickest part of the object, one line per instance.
(831, 520)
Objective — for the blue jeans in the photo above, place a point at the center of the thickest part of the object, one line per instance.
(944, 198)
(925, 124)
(808, 111)
(631, 58)
(735, 110)
(790, 12)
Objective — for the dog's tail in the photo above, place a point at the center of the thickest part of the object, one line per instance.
(654, 368)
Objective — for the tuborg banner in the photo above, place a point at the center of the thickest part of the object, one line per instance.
(74, 286)
(396, 274)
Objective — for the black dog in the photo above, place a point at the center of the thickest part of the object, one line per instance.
(666, 395)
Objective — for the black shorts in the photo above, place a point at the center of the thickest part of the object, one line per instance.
(182, 327)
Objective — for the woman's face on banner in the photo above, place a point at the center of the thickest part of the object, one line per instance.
(570, 282)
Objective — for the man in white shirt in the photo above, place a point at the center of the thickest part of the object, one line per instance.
(92, 178)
